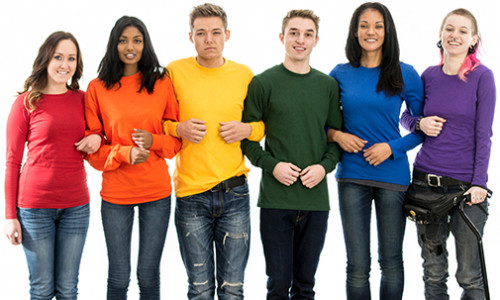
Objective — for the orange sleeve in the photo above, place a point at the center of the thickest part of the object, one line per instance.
(107, 157)
(166, 145)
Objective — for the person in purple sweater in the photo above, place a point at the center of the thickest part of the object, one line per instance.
(459, 107)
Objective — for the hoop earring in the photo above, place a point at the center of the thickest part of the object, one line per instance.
(439, 44)
(472, 49)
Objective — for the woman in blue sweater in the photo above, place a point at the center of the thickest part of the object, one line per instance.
(374, 166)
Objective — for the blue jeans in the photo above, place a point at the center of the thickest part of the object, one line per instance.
(53, 241)
(223, 218)
(292, 242)
(355, 209)
(435, 254)
(118, 221)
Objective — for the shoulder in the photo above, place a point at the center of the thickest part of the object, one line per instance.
(183, 62)
(239, 67)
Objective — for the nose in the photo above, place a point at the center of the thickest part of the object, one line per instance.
(130, 45)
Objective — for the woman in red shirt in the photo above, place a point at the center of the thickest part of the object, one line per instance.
(47, 203)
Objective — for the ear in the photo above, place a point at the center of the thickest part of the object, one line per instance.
(282, 38)
(475, 40)
(191, 37)
(317, 40)
(228, 34)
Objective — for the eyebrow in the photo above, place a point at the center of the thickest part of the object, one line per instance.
(364, 21)
(296, 29)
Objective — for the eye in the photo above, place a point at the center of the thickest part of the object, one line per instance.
(379, 27)
(217, 32)
(138, 41)
(200, 33)
(58, 57)
(122, 41)
(72, 58)
(308, 35)
(363, 26)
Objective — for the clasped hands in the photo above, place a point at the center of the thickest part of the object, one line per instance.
(287, 173)
(194, 130)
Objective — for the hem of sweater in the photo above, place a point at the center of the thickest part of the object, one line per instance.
(69, 205)
(376, 184)
(138, 200)
(184, 192)
(291, 207)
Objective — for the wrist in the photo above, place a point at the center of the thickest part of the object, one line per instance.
(417, 126)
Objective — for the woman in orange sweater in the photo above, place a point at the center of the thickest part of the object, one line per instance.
(126, 104)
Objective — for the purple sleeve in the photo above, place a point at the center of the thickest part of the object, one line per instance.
(486, 97)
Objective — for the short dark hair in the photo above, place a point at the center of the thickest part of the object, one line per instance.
(390, 80)
(207, 10)
(38, 79)
(111, 67)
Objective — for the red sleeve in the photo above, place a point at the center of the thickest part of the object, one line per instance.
(17, 133)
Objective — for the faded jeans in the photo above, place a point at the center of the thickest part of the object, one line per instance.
(220, 219)
(53, 241)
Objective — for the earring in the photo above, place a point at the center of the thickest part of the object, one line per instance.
(472, 49)
(439, 44)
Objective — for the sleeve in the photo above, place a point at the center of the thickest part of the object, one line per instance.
(409, 119)
(17, 133)
(258, 131)
(413, 96)
(486, 98)
(333, 152)
(255, 107)
(107, 157)
(164, 144)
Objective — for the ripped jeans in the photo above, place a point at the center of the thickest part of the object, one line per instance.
(220, 218)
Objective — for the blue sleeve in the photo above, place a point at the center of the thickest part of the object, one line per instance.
(413, 96)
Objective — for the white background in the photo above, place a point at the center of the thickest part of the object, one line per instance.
(255, 26)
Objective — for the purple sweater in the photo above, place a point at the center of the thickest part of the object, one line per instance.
(462, 149)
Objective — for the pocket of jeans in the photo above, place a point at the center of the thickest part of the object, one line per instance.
(239, 191)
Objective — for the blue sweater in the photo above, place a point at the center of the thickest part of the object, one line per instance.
(374, 117)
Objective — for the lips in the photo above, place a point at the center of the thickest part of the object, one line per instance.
(130, 56)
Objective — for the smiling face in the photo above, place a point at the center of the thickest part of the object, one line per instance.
(130, 46)
(371, 32)
(299, 38)
(208, 36)
(62, 66)
(457, 35)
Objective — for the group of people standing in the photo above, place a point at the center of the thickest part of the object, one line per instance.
(208, 112)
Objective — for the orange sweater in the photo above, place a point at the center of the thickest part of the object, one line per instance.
(115, 113)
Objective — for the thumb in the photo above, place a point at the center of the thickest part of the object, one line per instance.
(138, 130)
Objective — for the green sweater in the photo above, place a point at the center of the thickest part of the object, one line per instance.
(295, 108)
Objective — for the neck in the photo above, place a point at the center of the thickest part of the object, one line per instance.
(129, 70)
(211, 63)
(370, 59)
(452, 64)
(299, 67)
(55, 89)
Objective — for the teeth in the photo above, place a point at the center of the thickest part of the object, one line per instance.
(130, 56)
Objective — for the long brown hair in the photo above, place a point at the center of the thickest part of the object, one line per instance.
(38, 79)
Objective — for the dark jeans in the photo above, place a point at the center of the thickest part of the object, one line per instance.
(220, 219)
(355, 203)
(435, 253)
(292, 242)
(118, 221)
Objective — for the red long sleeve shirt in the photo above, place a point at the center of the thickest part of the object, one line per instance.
(53, 175)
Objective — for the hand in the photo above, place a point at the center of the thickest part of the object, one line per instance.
(286, 173)
(138, 155)
(142, 138)
(377, 154)
(89, 144)
(312, 175)
(348, 142)
(477, 195)
(234, 131)
(193, 130)
(432, 126)
(13, 231)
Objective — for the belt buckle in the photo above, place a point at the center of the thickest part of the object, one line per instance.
(429, 180)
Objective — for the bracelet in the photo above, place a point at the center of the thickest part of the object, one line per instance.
(417, 126)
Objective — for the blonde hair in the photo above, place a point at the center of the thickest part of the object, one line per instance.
(207, 10)
(300, 13)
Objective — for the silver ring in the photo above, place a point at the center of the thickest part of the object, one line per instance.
(368, 160)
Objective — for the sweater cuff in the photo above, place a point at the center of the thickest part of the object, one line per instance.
(156, 143)
(258, 131)
(269, 163)
(170, 128)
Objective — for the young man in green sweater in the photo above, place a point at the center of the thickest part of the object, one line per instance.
(296, 103)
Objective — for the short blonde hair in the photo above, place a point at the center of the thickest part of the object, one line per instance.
(207, 10)
(300, 13)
